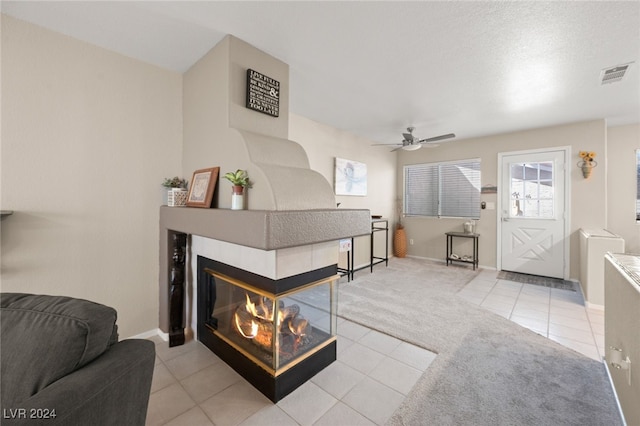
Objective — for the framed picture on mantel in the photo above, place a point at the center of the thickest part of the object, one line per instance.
(203, 183)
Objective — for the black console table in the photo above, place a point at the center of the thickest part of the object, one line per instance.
(377, 225)
(450, 237)
(380, 227)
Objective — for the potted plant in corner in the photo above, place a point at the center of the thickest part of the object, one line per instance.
(240, 180)
(176, 191)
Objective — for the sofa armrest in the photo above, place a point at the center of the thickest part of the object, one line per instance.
(111, 390)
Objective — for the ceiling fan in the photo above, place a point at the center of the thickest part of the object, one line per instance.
(411, 143)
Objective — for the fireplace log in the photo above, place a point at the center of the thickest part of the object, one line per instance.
(259, 330)
(176, 302)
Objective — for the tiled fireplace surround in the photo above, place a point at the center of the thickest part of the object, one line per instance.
(273, 244)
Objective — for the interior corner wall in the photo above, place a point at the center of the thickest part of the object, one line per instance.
(214, 111)
(622, 143)
(88, 135)
(587, 205)
(243, 56)
(323, 144)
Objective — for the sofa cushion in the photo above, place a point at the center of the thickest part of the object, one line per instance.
(44, 338)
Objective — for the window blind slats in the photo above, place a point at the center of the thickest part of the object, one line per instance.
(422, 190)
(443, 189)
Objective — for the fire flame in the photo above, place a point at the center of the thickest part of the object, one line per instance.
(250, 317)
(241, 328)
(262, 311)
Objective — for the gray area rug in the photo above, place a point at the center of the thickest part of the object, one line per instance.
(489, 371)
(537, 280)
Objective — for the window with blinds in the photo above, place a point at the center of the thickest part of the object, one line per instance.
(450, 189)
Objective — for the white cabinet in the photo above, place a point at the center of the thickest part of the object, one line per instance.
(622, 330)
(594, 244)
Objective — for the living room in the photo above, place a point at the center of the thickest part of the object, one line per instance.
(89, 134)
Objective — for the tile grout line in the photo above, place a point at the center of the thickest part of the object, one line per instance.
(488, 292)
(593, 334)
(515, 302)
(549, 313)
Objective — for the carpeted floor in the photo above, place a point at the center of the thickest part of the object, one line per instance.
(489, 371)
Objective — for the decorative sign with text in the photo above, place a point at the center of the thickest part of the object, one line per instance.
(263, 93)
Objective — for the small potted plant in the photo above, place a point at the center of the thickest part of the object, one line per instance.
(240, 180)
(177, 191)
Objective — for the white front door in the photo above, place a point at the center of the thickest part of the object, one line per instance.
(532, 218)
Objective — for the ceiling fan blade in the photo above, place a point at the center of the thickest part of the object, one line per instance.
(395, 149)
(386, 144)
(438, 138)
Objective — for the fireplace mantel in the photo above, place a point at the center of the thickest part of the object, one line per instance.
(265, 230)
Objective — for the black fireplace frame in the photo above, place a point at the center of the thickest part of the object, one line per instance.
(273, 387)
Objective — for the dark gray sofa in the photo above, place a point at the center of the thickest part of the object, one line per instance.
(62, 364)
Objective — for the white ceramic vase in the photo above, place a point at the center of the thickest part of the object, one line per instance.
(237, 198)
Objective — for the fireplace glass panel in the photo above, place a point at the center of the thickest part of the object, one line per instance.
(275, 331)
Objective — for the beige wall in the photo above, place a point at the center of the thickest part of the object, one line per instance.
(588, 196)
(323, 144)
(240, 138)
(622, 143)
(87, 137)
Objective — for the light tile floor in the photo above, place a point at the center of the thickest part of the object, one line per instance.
(560, 315)
(371, 377)
(373, 372)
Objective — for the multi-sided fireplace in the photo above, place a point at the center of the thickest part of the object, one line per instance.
(267, 307)
(277, 334)
(266, 304)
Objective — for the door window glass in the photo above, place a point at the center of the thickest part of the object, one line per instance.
(531, 190)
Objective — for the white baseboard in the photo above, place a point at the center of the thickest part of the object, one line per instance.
(151, 333)
(615, 394)
(425, 258)
(594, 306)
(440, 260)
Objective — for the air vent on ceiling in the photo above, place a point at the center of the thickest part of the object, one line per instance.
(613, 75)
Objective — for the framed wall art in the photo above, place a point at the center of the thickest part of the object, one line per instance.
(350, 177)
(263, 93)
(203, 183)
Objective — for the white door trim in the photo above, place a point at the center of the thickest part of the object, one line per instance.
(567, 204)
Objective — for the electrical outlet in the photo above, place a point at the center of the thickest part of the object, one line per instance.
(411, 241)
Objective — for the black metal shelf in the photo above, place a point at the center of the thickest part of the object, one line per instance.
(374, 260)
(450, 236)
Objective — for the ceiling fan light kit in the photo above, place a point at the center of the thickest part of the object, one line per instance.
(411, 147)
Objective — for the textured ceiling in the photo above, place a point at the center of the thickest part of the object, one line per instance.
(373, 68)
